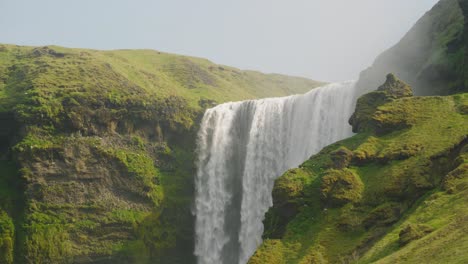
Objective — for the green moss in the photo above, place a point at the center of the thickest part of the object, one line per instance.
(366, 105)
(413, 232)
(141, 166)
(273, 251)
(135, 252)
(340, 187)
(367, 152)
(291, 187)
(341, 158)
(7, 238)
(384, 215)
(366, 118)
(48, 244)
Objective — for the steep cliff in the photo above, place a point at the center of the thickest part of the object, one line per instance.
(431, 57)
(96, 161)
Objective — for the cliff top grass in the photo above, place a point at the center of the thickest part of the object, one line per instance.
(118, 74)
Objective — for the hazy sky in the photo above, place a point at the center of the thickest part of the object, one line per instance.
(321, 39)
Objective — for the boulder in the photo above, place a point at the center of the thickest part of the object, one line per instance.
(392, 89)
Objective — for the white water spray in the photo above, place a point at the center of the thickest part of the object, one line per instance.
(242, 148)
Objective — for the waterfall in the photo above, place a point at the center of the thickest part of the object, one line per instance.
(242, 148)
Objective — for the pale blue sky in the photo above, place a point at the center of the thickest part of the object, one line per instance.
(321, 39)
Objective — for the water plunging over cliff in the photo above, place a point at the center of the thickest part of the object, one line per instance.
(242, 148)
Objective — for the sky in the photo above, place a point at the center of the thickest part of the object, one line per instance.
(327, 40)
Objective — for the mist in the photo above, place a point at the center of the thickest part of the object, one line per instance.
(323, 40)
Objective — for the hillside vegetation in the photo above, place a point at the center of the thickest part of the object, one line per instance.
(396, 192)
(97, 149)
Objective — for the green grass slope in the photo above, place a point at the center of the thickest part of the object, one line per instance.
(396, 192)
(159, 74)
(96, 161)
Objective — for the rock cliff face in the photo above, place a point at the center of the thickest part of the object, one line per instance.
(431, 56)
(96, 161)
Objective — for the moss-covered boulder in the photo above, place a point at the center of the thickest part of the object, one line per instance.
(340, 187)
(367, 151)
(350, 218)
(457, 180)
(384, 215)
(395, 88)
(341, 158)
(290, 193)
(363, 117)
(413, 232)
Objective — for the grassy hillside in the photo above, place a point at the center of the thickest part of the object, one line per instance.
(396, 192)
(159, 74)
(96, 160)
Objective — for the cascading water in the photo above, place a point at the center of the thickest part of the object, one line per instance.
(242, 148)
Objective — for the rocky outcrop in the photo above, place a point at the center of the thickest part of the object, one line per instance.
(413, 232)
(395, 88)
(341, 158)
(340, 187)
(363, 119)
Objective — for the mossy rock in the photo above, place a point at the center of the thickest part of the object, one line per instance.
(395, 88)
(272, 251)
(396, 117)
(361, 120)
(410, 179)
(340, 187)
(384, 215)
(350, 219)
(464, 109)
(341, 158)
(413, 232)
(456, 180)
(291, 191)
(289, 188)
(367, 105)
(400, 152)
(367, 151)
